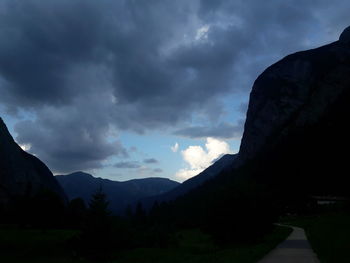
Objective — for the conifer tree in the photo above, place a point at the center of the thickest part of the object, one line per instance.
(97, 231)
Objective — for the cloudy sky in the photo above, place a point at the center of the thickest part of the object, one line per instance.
(139, 88)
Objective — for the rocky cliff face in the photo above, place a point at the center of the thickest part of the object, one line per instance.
(20, 172)
(297, 129)
(296, 93)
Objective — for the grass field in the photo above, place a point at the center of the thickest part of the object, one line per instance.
(329, 235)
(23, 245)
(195, 247)
(28, 245)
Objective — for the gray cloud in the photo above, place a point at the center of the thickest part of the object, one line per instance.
(150, 160)
(223, 130)
(243, 107)
(129, 165)
(157, 170)
(87, 70)
(79, 144)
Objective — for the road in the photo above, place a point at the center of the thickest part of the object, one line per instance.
(295, 249)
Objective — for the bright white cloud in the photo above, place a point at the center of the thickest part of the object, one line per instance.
(25, 147)
(175, 148)
(198, 159)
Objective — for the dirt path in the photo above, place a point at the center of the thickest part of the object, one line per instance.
(295, 249)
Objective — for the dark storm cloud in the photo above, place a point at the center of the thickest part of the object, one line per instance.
(223, 130)
(41, 42)
(129, 165)
(79, 144)
(87, 69)
(150, 160)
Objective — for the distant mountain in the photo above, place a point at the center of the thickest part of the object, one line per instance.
(216, 168)
(20, 172)
(119, 194)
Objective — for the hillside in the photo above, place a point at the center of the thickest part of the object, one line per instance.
(209, 173)
(20, 172)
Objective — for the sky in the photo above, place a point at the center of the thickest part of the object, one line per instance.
(133, 89)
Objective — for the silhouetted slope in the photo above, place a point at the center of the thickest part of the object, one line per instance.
(20, 172)
(119, 194)
(209, 173)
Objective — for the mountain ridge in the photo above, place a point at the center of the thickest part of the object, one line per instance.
(120, 194)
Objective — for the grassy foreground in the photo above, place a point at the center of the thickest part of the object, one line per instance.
(329, 235)
(29, 245)
(24, 245)
(195, 246)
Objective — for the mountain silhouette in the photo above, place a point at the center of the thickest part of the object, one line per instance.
(296, 128)
(119, 194)
(22, 173)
